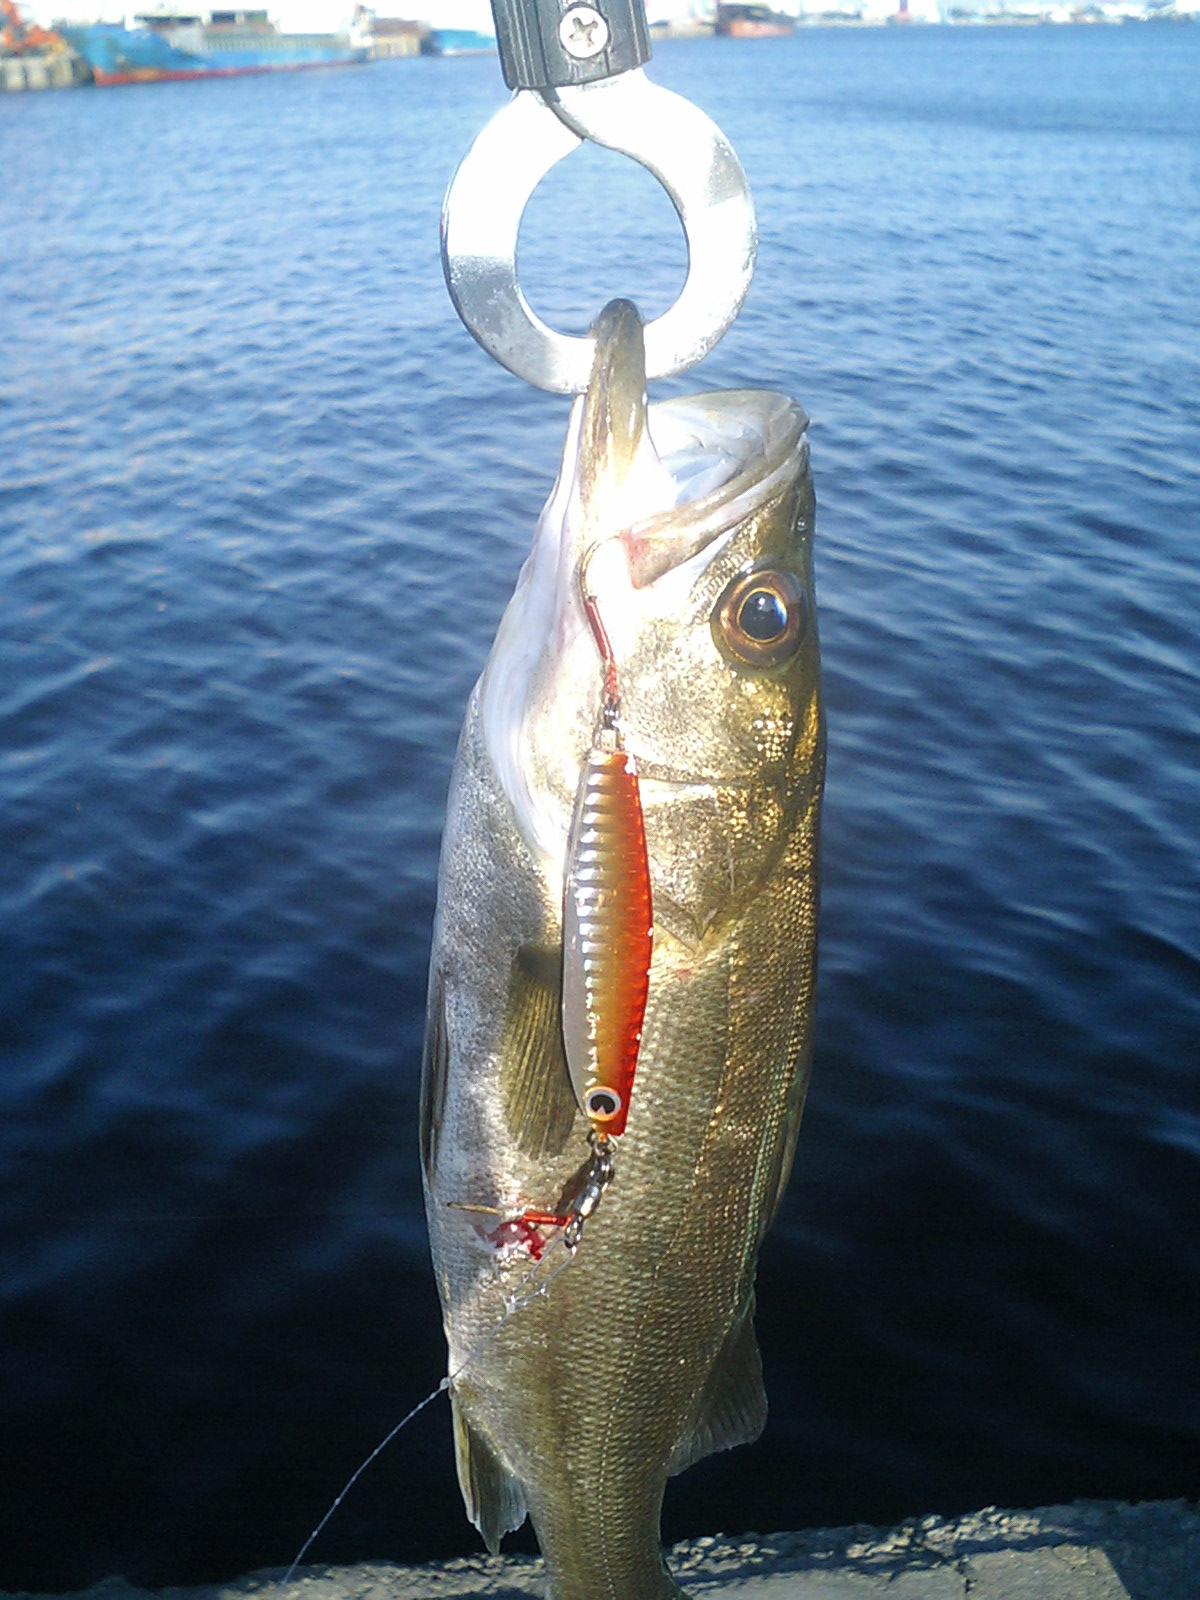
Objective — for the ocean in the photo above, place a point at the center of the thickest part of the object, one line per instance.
(262, 502)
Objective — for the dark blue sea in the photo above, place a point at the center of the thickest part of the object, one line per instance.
(262, 502)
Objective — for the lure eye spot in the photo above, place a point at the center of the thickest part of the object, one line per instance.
(761, 619)
(602, 1104)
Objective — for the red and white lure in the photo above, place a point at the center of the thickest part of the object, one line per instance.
(608, 929)
(608, 937)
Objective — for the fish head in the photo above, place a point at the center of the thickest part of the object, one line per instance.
(689, 523)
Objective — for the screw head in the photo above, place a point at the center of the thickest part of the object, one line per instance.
(582, 32)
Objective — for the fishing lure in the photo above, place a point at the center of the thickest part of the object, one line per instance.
(608, 928)
(608, 941)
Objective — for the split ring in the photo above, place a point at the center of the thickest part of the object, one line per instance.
(671, 138)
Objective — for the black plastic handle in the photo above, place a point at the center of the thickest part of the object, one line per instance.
(548, 44)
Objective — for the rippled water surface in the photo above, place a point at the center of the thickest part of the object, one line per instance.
(262, 502)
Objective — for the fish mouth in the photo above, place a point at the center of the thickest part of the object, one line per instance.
(645, 499)
(724, 453)
(668, 478)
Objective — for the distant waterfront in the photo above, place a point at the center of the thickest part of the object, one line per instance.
(690, 22)
(70, 65)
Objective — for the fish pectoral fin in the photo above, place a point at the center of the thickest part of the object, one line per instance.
(435, 1067)
(535, 1085)
(732, 1406)
(492, 1496)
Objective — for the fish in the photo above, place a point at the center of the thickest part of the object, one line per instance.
(597, 1286)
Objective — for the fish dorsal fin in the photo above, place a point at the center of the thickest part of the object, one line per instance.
(732, 1407)
(492, 1496)
(535, 1086)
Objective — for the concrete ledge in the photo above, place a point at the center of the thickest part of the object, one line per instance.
(62, 69)
(1093, 1550)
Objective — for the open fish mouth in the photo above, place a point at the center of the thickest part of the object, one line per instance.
(722, 455)
(647, 498)
(651, 485)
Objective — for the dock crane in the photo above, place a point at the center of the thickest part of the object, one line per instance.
(19, 38)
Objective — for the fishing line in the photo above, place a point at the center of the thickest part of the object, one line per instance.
(362, 1467)
(534, 1283)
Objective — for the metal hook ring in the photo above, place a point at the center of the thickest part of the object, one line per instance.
(673, 139)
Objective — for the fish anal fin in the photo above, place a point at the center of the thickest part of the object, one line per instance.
(535, 1086)
(492, 1496)
(732, 1407)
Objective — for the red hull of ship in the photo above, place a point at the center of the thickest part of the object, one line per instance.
(758, 30)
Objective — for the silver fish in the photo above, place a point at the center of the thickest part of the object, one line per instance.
(695, 519)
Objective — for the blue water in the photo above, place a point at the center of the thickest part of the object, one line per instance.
(262, 502)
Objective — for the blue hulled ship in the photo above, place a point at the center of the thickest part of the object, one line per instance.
(154, 46)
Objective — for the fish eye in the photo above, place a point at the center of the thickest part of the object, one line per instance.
(602, 1103)
(761, 618)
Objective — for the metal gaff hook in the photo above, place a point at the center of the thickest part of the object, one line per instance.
(670, 137)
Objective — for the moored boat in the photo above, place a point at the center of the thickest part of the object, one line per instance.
(457, 42)
(753, 22)
(163, 45)
(459, 28)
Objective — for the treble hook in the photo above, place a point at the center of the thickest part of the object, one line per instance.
(606, 100)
